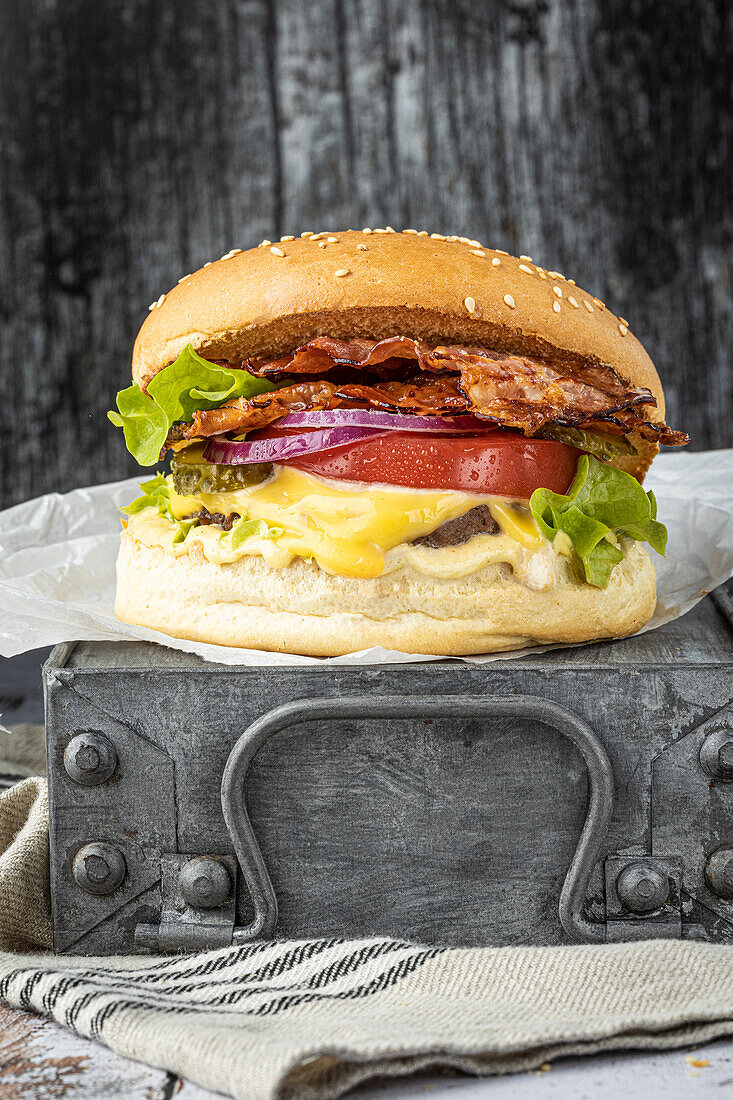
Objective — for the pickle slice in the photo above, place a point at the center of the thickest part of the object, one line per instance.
(595, 443)
(190, 478)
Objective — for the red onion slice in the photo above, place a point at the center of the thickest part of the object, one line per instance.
(382, 421)
(230, 453)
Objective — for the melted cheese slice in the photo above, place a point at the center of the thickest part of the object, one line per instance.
(353, 530)
(349, 528)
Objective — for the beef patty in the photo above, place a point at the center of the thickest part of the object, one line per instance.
(478, 521)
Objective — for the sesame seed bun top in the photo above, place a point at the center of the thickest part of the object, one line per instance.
(376, 283)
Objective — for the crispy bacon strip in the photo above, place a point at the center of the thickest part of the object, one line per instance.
(248, 415)
(510, 391)
(426, 398)
(325, 352)
(438, 397)
(626, 421)
(527, 394)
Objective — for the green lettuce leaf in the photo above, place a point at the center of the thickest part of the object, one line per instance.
(155, 494)
(602, 505)
(176, 393)
(245, 528)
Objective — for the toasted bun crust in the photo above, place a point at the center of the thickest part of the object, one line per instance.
(382, 283)
(302, 609)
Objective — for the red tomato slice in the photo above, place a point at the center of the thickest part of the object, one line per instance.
(500, 462)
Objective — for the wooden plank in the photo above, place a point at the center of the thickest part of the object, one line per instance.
(141, 141)
(39, 1059)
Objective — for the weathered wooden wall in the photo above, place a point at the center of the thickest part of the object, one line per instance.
(140, 138)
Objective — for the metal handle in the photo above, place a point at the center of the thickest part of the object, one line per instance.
(600, 798)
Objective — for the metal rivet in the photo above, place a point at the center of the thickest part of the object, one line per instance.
(716, 755)
(99, 867)
(642, 887)
(205, 882)
(719, 873)
(90, 758)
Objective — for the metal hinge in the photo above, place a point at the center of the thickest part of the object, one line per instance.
(198, 904)
(643, 899)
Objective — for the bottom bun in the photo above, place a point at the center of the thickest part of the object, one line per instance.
(302, 609)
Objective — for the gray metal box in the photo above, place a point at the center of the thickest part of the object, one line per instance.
(584, 794)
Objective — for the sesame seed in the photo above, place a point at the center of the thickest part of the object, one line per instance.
(542, 274)
(556, 306)
(160, 301)
(587, 305)
(276, 251)
(557, 290)
(599, 303)
(422, 233)
(381, 231)
(234, 252)
(495, 262)
(362, 247)
(500, 252)
(367, 230)
(151, 306)
(477, 252)
(287, 238)
(526, 258)
(332, 240)
(341, 272)
(623, 321)
(413, 232)
(437, 236)
(464, 240)
(475, 244)
(571, 281)
(307, 233)
(389, 229)
(572, 302)
(323, 244)
(523, 267)
(452, 239)
(184, 278)
(470, 304)
(208, 263)
(556, 274)
(510, 301)
(265, 242)
(623, 329)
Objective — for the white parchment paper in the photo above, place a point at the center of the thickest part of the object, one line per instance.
(57, 564)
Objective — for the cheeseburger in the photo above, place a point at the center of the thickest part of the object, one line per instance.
(389, 439)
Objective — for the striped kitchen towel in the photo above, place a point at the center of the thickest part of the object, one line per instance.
(312, 1019)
